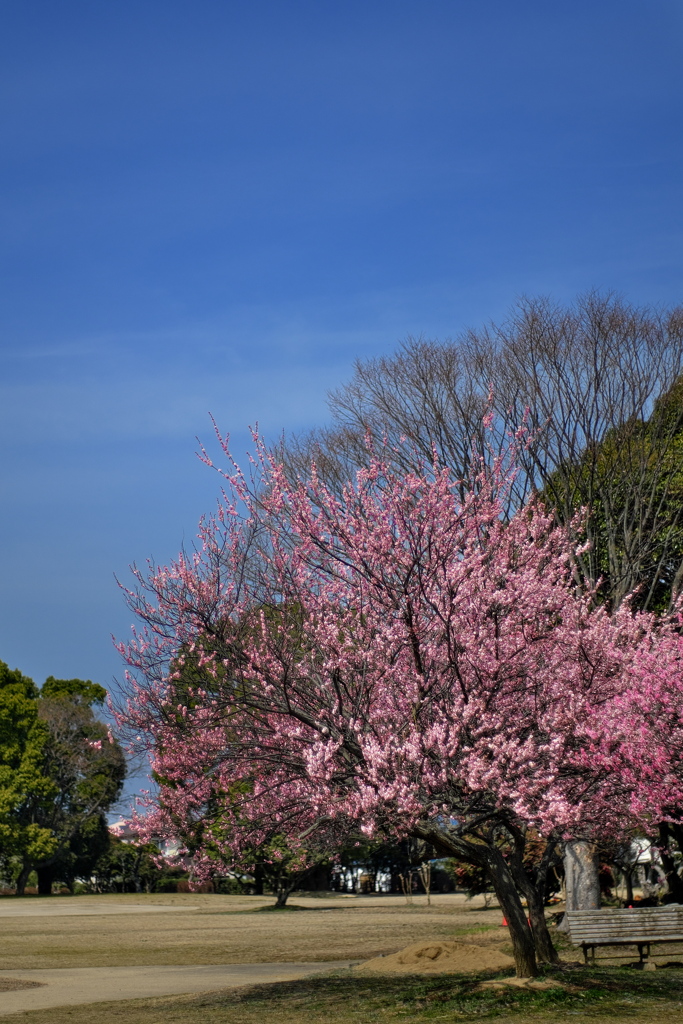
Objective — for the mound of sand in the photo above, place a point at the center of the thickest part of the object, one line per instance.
(439, 958)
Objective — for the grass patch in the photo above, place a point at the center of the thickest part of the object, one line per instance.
(602, 994)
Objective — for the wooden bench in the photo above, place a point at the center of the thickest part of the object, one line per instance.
(632, 926)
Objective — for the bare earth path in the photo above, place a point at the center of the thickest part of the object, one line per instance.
(77, 985)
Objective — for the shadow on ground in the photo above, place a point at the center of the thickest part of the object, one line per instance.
(607, 995)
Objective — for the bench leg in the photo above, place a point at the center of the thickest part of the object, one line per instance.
(644, 954)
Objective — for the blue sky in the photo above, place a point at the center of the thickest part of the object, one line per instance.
(217, 206)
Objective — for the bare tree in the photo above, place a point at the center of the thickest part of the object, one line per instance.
(597, 385)
(600, 387)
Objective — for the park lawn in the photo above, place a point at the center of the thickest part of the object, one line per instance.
(603, 995)
(328, 927)
(235, 929)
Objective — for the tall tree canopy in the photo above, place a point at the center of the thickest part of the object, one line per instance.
(402, 658)
(598, 385)
(60, 771)
(23, 737)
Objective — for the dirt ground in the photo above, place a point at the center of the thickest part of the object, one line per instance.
(234, 929)
(107, 931)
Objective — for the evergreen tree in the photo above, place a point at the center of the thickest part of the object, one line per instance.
(60, 771)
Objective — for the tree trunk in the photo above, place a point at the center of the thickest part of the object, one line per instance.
(45, 879)
(544, 944)
(489, 857)
(673, 879)
(23, 878)
(535, 897)
(676, 831)
(137, 881)
(581, 875)
(520, 933)
(283, 894)
(258, 880)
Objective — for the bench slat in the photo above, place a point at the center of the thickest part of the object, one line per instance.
(626, 926)
(620, 940)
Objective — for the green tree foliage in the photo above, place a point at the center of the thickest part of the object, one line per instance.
(60, 771)
(23, 781)
(274, 865)
(630, 485)
(125, 866)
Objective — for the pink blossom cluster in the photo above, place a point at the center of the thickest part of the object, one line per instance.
(396, 653)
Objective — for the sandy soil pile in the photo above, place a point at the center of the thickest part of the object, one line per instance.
(438, 958)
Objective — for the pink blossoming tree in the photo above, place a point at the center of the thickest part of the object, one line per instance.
(398, 660)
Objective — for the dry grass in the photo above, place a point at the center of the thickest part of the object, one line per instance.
(230, 929)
